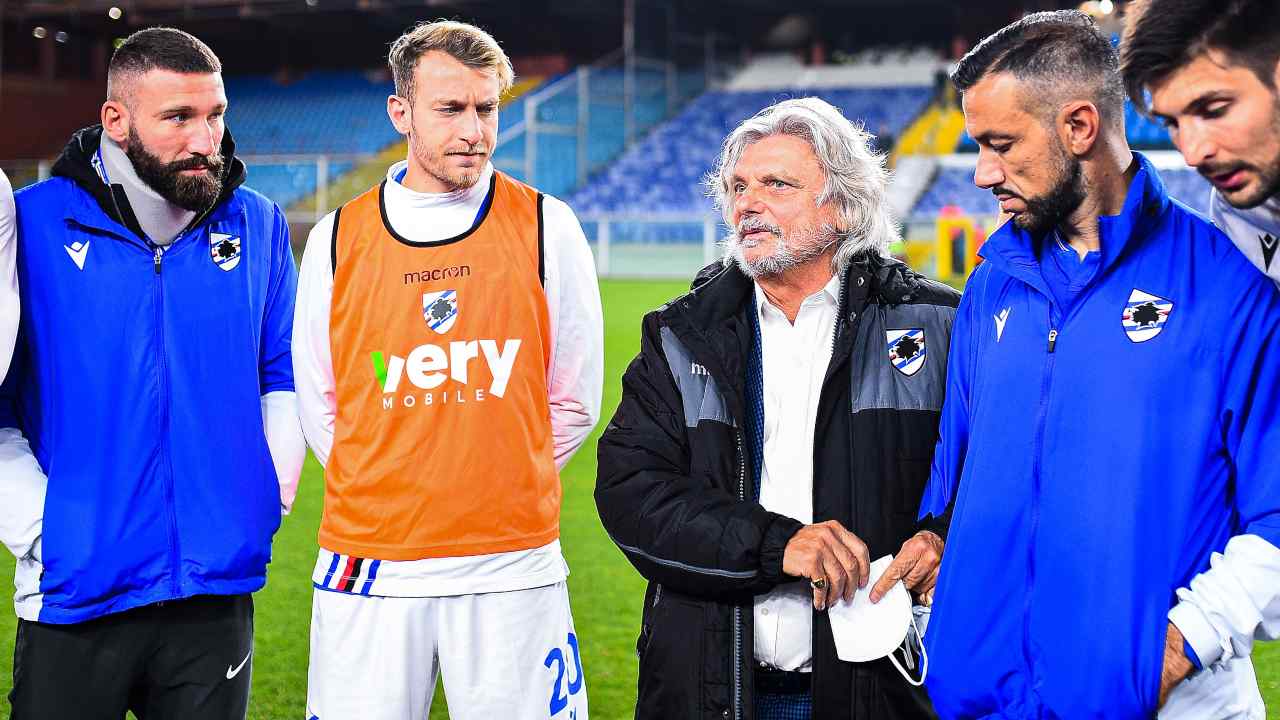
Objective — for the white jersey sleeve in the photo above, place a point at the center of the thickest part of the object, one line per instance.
(22, 481)
(1233, 603)
(9, 305)
(285, 441)
(312, 360)
(22, 491)
(576, 374)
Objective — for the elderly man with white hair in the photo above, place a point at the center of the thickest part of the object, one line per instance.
(774, 438)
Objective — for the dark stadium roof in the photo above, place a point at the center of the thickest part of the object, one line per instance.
(261, 35)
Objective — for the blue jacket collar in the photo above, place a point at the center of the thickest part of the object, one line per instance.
(105, 207)
(86, 210)
(1014, 250)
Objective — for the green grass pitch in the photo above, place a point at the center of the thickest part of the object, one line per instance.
(606, 592)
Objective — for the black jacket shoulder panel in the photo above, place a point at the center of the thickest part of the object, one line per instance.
(894, 283)
(705, 274)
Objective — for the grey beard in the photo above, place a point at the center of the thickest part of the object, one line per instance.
(789, 253)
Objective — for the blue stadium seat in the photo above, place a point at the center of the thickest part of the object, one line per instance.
(325, 112)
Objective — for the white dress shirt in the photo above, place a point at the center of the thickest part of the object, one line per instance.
(574, 377)
(794, 358)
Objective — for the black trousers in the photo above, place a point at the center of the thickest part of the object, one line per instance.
(185, 659)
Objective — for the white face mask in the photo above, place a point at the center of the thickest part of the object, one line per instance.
(866, 631)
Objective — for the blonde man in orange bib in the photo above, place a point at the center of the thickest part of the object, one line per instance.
(448, 348)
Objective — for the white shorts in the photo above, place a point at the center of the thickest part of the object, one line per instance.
(503, 655)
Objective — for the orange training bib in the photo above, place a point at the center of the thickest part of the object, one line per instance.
(442, 444)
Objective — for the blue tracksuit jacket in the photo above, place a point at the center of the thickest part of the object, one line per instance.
(1094, 473)
(137, 381)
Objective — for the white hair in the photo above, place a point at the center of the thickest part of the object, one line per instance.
(856, 178)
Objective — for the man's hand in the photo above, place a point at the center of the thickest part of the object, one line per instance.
(1176, 665)
(827, 552)
(916, 565)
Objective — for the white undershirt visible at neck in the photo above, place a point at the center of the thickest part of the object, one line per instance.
(451, 213)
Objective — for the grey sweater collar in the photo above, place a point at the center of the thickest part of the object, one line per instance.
(161, 220)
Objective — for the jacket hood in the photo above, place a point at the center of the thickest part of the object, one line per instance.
(78, 160)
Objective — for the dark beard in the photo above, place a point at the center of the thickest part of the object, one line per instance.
(1269, 176)
(1048, 210)
(195, 194)
(1268, 173)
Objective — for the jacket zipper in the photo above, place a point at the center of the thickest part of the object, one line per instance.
(737, 609)
(1041, 421)
(175, 553)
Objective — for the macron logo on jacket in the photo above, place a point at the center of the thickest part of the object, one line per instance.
(1001, 318)
(78, 252)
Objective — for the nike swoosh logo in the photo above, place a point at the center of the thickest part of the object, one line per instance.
(78, 256)
(231, 673)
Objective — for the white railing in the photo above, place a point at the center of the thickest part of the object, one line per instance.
(309, 201)
(670, 245)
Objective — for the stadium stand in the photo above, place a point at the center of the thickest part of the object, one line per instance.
(876, 67)
(557, 106)
(342, 114)
(665, 171)
(325, 112)
(370, 171)
(333, 112)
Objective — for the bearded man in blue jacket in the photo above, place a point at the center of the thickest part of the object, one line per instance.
(1110, 430)
(149, 438)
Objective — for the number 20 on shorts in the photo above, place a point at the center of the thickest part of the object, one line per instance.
(556, 658)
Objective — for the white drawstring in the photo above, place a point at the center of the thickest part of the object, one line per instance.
(906, 651)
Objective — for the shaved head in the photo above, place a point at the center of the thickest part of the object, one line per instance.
(1059, 56)
(157, 48)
